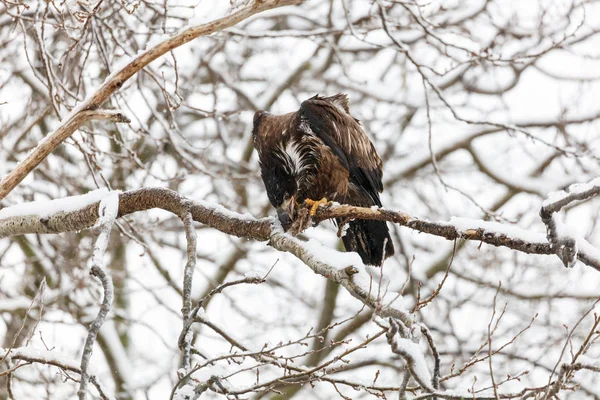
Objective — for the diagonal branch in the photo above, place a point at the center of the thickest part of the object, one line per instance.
(115, 81)
(345, 277)
(52, 141)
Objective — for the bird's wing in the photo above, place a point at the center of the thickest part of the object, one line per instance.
(329, 118)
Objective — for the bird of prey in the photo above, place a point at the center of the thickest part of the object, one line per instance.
(322, 152)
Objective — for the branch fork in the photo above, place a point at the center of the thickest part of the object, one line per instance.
(564, 245)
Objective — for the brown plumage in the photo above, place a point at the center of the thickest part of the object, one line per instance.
(321, 151)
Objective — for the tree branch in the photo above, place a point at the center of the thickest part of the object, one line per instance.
(52, 141)
(87, 110)
(232, 223)
(50, 357)
(563, 244)
(108, 210)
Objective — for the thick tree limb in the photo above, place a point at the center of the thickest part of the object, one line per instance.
(236, 224)
(87, 110)
(132, 201)
(246, 226)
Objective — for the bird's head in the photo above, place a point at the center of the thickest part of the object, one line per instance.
(282, 191)
(259, 116)
(280, 182)
(286, 212)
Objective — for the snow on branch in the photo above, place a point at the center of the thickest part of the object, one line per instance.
(46, 208)
(247, 226)
(49, 357)
(345, 269)
(576, 192)
(345, 274)
(133, 201)
(407, 347)
(563, 244)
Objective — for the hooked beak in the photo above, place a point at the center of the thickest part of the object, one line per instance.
(285, 213)
(291, 204)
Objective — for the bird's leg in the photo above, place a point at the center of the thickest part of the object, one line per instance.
(314, 204)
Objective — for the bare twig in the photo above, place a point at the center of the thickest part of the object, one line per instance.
(47, 357)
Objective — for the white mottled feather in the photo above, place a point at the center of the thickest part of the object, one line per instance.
(296, 161)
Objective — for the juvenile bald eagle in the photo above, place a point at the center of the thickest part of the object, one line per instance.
(322, 151)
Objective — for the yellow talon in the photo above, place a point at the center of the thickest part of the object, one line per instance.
(314, 204)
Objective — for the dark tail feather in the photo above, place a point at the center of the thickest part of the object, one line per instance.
(368, 238)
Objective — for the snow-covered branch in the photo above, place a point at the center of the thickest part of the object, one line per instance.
(408, 348)
(48, 357)
(345, 269)
(567, 247)
(22, 221)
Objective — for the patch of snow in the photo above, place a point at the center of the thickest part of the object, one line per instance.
(44, 356)
(109, 207)
(44, 208)
(253, 274)
(331, 257)
(185, 393)
(225, 212)
(573, 189)
(588, 249)
(413, 350)
(512, 231)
